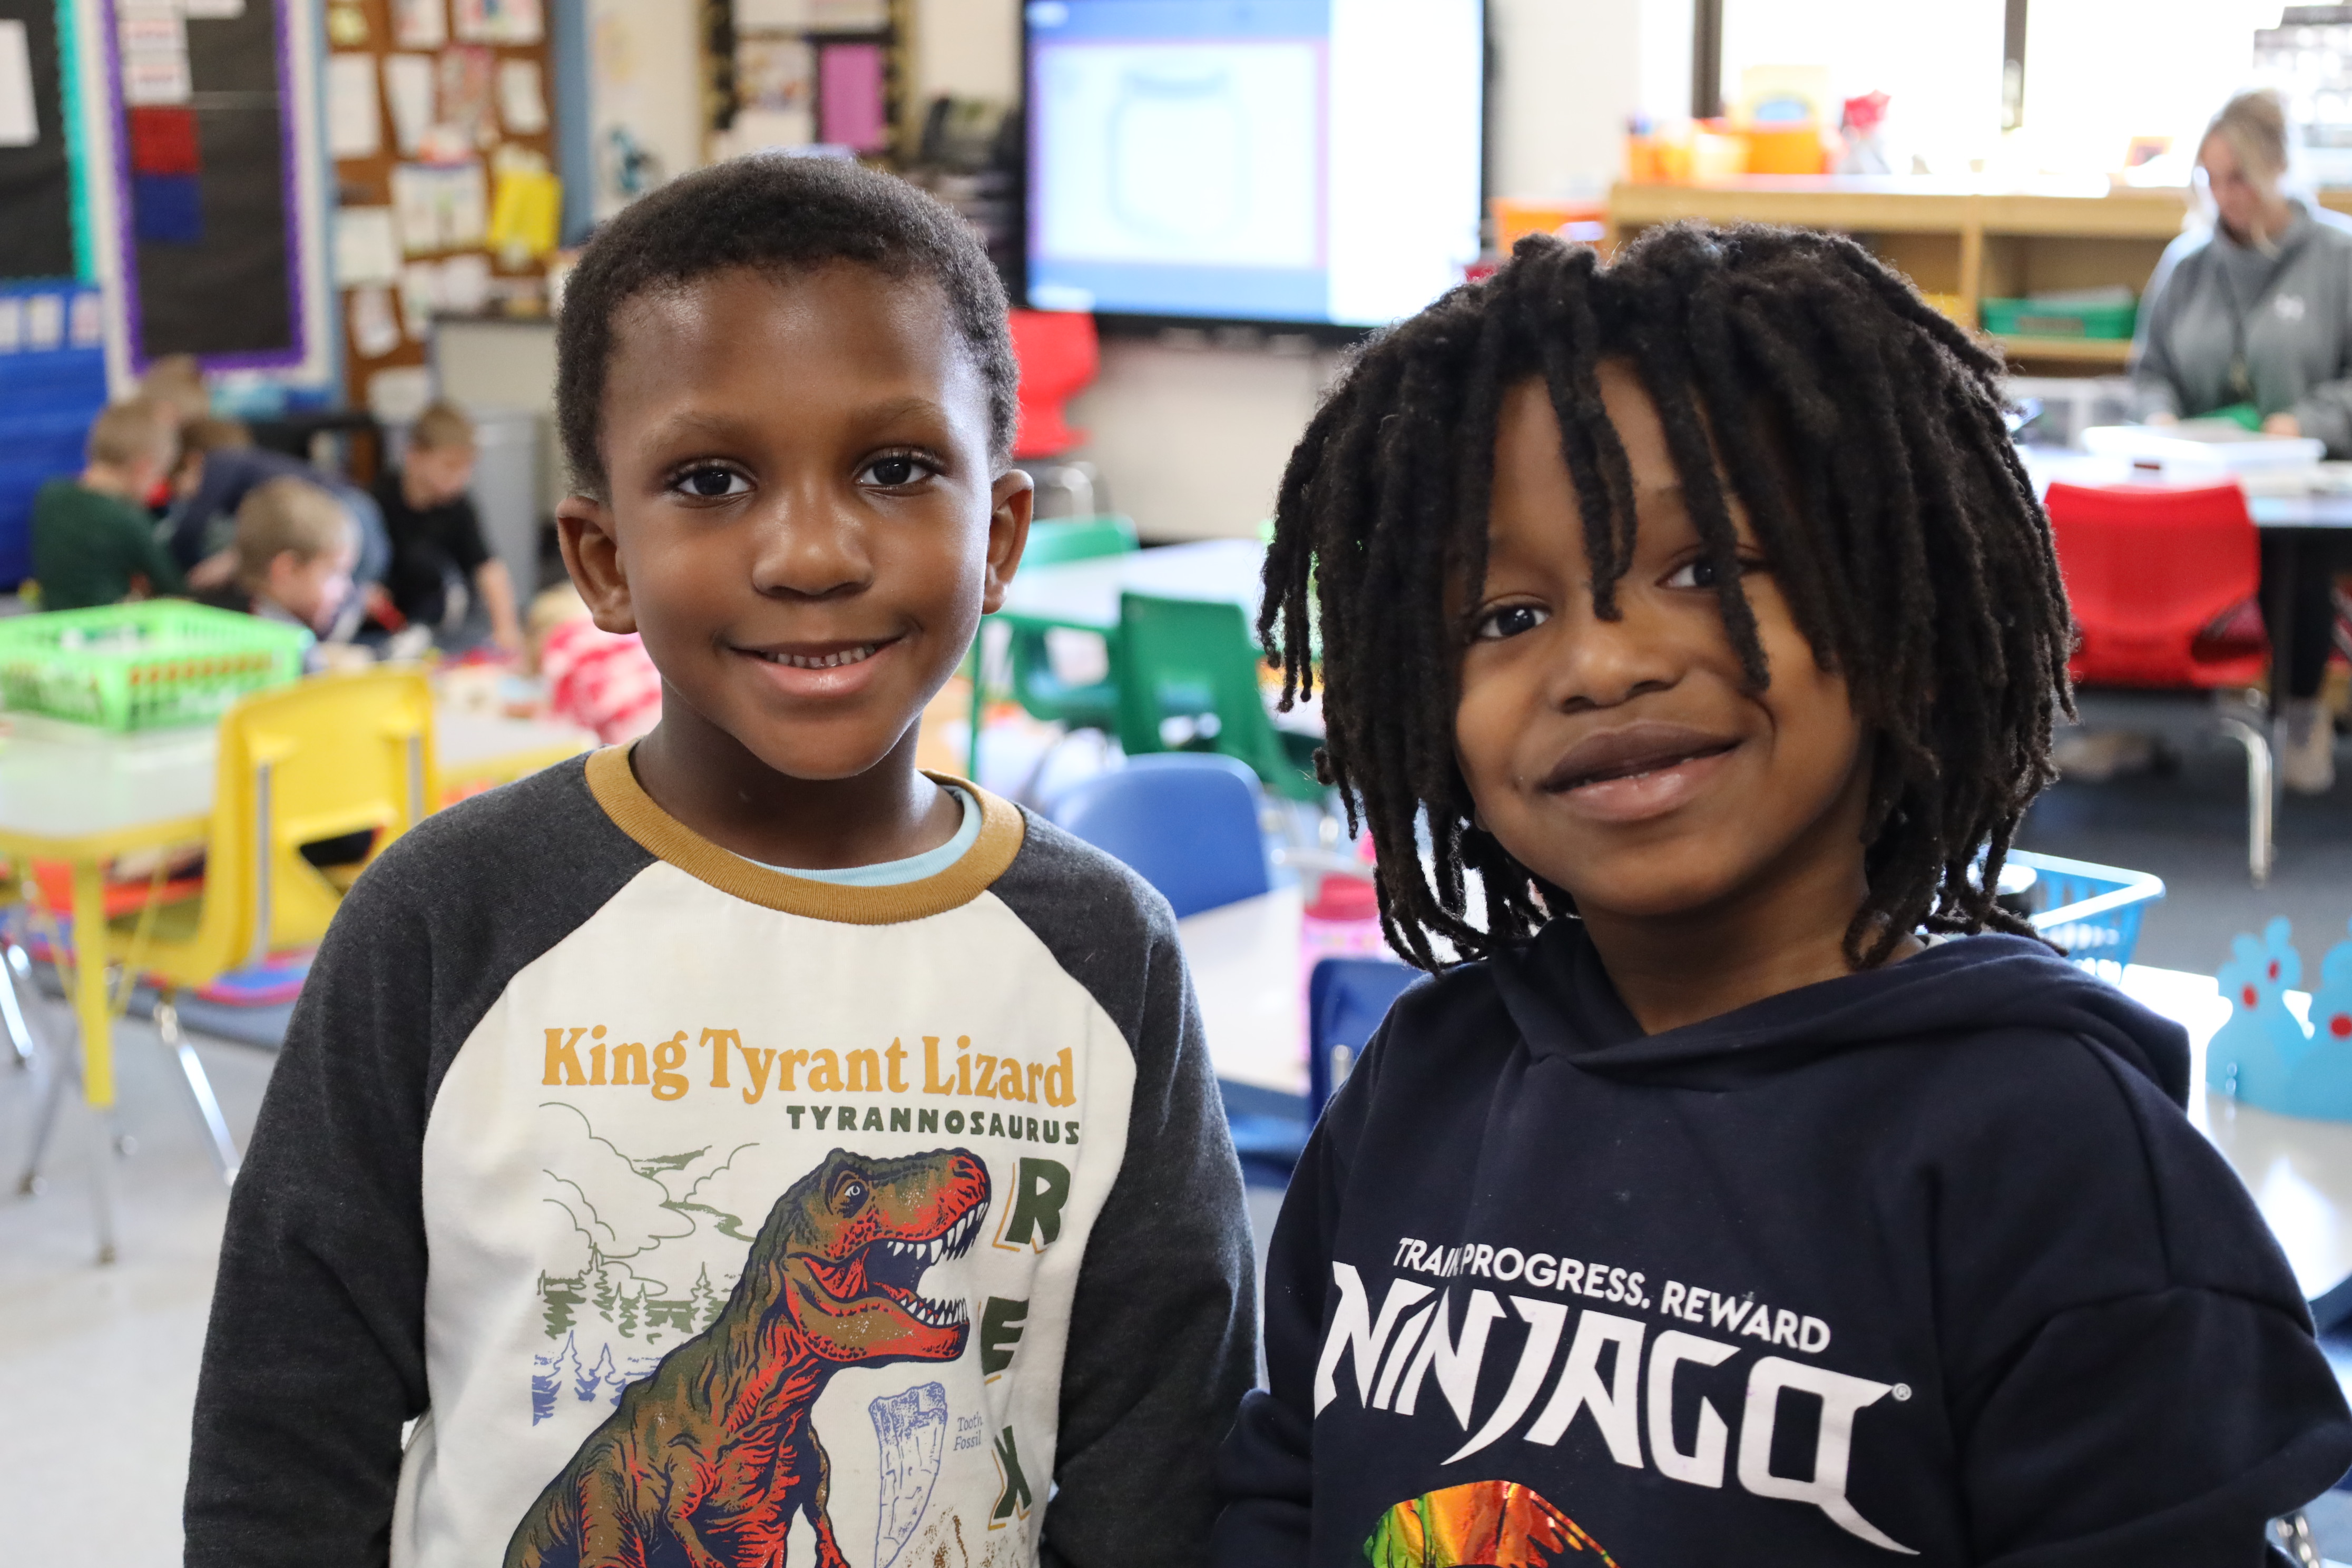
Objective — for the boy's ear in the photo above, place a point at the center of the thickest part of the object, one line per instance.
(584, 527)
(1010, 501)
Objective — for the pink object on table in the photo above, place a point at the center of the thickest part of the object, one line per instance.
(851, 111)
(601, 680)
(1344, 921)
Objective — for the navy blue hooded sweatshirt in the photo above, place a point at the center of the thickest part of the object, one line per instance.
(1923, 1263)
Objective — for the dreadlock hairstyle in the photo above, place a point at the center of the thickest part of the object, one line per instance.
(1862, 432)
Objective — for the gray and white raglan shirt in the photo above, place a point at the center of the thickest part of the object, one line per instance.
(697, 1213)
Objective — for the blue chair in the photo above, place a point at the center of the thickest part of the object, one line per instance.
(1187, 823)
(1346, 1000)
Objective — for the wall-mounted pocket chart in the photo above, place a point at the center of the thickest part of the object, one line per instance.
(211, 211)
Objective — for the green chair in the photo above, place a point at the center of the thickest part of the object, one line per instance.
(1190, 657)
(1029, 669)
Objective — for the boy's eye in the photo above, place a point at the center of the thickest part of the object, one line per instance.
(711, 482)
(1508, 622)
(1700, 573)
(894, 471)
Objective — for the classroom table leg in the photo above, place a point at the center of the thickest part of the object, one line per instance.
(97, 1043)
(90, 1007)
(102, 1144)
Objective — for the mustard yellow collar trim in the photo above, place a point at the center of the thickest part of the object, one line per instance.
(1002, 829)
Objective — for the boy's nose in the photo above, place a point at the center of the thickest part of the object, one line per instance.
(1603, 663)
(809, 548)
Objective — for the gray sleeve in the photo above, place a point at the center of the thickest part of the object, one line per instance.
(2325, 410)
(315, 1355)
(2155, 385)
(1163, 1332)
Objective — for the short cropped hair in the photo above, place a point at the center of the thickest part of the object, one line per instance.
(287, 514)
(440, 426)
(178, 382)
(2255, 125)
(133, 429)
(786, 217)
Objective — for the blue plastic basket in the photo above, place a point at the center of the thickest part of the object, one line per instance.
(2092, 911)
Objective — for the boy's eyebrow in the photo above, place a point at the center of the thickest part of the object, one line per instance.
(719, 425)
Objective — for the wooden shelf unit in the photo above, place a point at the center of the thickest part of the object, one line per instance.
(1954, 238)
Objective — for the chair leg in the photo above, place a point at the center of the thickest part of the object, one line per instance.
(2259, 796)
(67, 1075)
(200, 1087)
(20, 1031)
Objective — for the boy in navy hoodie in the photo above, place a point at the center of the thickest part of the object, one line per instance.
(1707, 1212)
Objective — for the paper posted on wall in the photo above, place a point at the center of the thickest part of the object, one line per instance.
(420, 297)
(408, 88)
(374, 333)
(354, 113)
(500, 21)
(419, 24)
(19, 124)
(367, 246)
(522, 103)
(396, 396)
(149, 79)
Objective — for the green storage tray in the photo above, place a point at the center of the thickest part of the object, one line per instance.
(143, 667)
(2037, 319)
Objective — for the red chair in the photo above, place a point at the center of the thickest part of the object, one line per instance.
(1059, 355)
(2164, 582)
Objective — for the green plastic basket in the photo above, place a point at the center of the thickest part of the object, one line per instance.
(2053, 318)
(143, 667)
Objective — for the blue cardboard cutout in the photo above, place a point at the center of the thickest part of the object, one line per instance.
(2263, 1054)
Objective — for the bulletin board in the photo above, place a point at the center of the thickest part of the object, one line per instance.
(36, 169)
(440, 120)
(213, 225)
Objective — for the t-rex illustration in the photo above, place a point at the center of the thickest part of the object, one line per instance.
(706, 1462)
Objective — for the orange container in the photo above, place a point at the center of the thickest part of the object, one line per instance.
(1515, 218)
(1785, 150)
(1717, 155)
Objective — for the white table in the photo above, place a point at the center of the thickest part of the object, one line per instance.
(69, 782)
(1084, 595)
(1244, 963)
(83, 797)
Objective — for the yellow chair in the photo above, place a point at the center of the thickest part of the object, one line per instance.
(342, 757)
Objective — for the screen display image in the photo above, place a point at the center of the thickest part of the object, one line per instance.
(1280, 161)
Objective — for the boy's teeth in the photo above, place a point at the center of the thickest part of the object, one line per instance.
(828, 660)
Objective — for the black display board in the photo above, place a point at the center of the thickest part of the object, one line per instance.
(36, 183)
(230, 291)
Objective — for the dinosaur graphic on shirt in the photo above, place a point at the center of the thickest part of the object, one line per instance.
(707, 1461)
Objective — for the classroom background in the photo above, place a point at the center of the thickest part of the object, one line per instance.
(324, 242)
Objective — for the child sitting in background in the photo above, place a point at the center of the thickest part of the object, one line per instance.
(93, 541)
(295, 549)
(438, 557)
(213, 482)
(199, 438)
(597, 679)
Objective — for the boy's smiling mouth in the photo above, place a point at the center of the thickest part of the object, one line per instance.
(856, 654)
(821, 668)
(1642, 770)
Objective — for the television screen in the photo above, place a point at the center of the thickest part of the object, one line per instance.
(1281, 161)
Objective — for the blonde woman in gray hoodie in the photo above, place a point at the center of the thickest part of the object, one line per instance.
(2252, 317)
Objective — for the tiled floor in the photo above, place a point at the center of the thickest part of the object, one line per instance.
(2190, 827)
(98, 1366)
